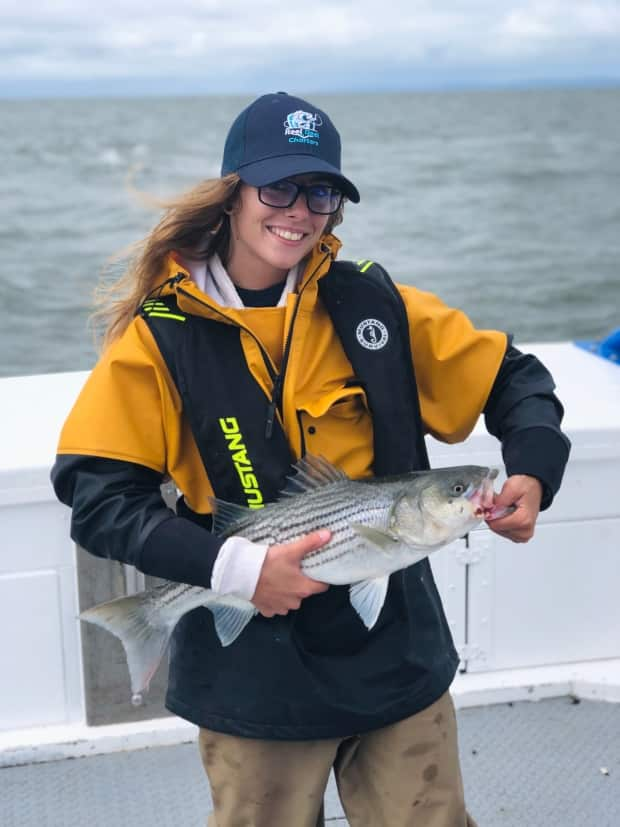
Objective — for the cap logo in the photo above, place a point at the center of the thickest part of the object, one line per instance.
(302, 127)
(372, 334)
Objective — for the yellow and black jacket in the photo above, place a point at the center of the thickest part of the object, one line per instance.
(355, 369)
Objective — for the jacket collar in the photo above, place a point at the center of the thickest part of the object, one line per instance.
(320, 259)
(317, 265)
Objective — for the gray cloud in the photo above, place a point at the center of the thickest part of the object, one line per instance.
(212, 44)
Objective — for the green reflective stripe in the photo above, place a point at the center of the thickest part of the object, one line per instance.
(365, 267)
(156, 307)
(167, 315)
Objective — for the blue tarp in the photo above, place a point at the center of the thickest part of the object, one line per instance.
(608, 348)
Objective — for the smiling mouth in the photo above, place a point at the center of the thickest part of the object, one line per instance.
(287, 235)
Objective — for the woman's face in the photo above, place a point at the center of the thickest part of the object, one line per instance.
(265, 242)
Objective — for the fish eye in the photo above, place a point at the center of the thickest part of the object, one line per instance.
(458, 488)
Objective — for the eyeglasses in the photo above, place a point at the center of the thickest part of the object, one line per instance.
(322, 199)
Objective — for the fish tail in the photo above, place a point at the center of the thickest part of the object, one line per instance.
(142, 631)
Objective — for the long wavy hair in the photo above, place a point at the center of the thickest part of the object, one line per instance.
(195, 225)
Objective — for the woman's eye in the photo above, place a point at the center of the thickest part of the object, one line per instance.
(323, 191)
(279, 186)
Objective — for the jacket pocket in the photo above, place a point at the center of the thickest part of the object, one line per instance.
(338, 426)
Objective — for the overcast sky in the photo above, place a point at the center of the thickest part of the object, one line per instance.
(65, 47)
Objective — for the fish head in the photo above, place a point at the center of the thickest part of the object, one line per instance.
(441, 505)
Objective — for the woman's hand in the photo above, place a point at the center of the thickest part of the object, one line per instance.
(525, 493)
(282, 585)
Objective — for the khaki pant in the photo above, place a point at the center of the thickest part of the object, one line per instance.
(403, 775)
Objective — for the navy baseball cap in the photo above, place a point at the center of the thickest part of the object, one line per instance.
(278, 136)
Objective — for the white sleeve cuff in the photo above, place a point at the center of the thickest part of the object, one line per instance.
(237, 567)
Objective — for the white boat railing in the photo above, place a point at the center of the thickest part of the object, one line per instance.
(530, 620)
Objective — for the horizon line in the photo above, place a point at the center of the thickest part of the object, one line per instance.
(472, 85)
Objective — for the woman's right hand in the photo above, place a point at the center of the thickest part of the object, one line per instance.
(282, 585)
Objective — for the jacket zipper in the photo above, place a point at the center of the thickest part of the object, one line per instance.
(277, 377)
(301, 432)
(266, 357)
(278, 386)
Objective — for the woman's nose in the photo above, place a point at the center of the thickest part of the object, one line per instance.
(299, 207)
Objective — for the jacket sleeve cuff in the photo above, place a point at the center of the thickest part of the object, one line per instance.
(539, 452)
(179, 550)
(238, 567)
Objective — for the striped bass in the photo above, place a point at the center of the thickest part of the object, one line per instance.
(378, 526)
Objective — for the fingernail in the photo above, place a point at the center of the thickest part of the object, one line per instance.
(324, 534)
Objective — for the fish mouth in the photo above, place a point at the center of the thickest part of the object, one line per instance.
(482, 496)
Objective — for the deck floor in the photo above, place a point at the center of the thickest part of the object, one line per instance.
(553, 763)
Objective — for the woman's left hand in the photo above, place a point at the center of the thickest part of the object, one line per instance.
(525, 494)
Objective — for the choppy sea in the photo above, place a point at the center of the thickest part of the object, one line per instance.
(505, 203)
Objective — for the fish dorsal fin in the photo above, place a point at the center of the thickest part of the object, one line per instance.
(229, 515)
(311, 472)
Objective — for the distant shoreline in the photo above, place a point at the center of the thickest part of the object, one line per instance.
(35, 90)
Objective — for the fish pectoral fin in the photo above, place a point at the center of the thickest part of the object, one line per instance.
(375, 536)
(367, 598)
(230, 621)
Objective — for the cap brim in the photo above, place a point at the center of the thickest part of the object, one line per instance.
(261, 173)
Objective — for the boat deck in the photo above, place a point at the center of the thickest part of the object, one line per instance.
(551, 763)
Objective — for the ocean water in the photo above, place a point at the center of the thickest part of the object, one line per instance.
(505, 203)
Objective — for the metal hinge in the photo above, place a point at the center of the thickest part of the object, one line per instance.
(467, 554)
(474, 549)
(134, 580)
(469, 652)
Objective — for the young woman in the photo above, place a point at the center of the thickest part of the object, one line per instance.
(241, 343)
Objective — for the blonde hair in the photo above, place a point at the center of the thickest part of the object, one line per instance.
(195, 224)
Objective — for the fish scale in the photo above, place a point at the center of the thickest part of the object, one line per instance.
(334, 508)
(378, 526)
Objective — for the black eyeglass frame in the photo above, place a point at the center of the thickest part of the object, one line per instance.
(298, 189)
